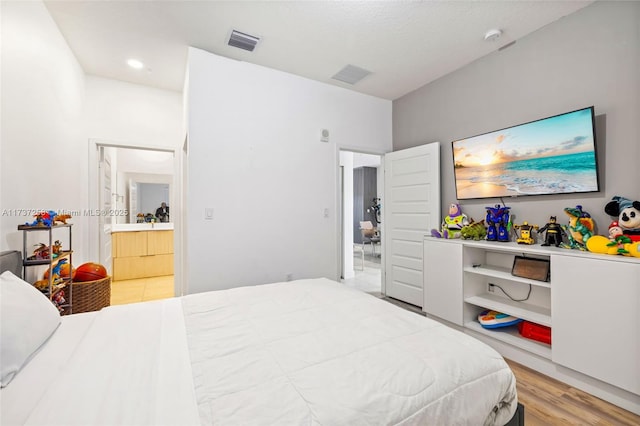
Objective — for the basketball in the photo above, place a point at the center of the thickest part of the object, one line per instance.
(90, 272)
(64, 272)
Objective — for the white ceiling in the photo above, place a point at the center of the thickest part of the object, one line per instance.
(405, 44)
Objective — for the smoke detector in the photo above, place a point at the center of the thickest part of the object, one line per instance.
(243, 41)
(492, 35)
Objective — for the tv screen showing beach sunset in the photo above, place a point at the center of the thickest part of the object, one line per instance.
(555, 155)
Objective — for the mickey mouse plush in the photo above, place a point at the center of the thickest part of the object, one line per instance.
(627, 213)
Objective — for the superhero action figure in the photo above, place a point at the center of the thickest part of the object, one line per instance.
(498, 223)
(554, 233)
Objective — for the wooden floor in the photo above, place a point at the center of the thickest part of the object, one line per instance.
(141, 290)
(550, 402)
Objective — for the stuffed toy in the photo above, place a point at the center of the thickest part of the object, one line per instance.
(603, 245)
(580, 228)
(627, 213)
(452, 223)
(43, 218)
(474, 231)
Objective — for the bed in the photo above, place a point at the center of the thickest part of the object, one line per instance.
(306, 352)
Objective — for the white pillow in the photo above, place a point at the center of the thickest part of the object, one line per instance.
(27, 320)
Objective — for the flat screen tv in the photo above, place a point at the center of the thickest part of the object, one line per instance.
(553, 155)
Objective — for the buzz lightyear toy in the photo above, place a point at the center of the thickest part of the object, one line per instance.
(452, 223)
(498, 223)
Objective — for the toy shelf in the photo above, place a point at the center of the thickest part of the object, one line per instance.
(512, 336)
(503, 273)
(42, 228)
(53, 288)
(526, 311)
(62, 255)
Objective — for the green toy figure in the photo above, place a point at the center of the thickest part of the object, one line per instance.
(474, 231)
(580, 228)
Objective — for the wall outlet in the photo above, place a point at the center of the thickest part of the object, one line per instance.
(289, 276)
(491, 288)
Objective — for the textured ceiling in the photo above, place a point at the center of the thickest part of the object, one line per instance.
(405, 44)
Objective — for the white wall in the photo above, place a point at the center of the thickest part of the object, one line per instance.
(131, 114)
(44, 156)
(256, 158)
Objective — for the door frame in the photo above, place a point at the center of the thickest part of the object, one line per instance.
(176, 211)
(339, 216)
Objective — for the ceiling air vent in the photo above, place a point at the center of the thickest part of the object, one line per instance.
(243, 41)
(351, 74)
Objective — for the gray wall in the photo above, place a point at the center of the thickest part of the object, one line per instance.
(589, 58)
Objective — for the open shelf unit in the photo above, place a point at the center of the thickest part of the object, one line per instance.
(512, 336)
(491, 263)
(63, 283)
(582, 287)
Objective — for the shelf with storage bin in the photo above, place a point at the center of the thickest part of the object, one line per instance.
(491, 263)
(512, 336)
(62, 283)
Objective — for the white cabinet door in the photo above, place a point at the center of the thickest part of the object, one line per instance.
(443, 280)
(596, 319)
(411, 209)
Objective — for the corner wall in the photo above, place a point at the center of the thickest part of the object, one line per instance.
(43, 153)
(50, 110)
(591, 57)
(256, 158)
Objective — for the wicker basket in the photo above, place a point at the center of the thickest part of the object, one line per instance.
(91, 296)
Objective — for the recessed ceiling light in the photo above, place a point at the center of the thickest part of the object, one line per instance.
(492, 35)
(134, 63)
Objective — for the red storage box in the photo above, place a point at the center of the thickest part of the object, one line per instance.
(535, 331)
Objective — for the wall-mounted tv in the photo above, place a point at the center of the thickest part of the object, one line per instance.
(553, 155)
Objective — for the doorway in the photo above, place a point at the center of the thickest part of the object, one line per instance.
(133, 182)
(361, 188)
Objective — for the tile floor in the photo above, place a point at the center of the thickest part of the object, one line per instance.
(141, 290)
(368, 280)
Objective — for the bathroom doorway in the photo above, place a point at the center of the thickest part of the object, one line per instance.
(136, 246)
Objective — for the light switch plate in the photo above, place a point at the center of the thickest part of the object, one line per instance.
(208, 213)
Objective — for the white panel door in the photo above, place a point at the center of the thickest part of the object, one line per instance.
(412, 208)
(104, 217)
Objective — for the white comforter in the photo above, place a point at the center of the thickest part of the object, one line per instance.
(312, 352)
(296, 353)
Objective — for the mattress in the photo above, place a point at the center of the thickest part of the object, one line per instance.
(303, 352)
